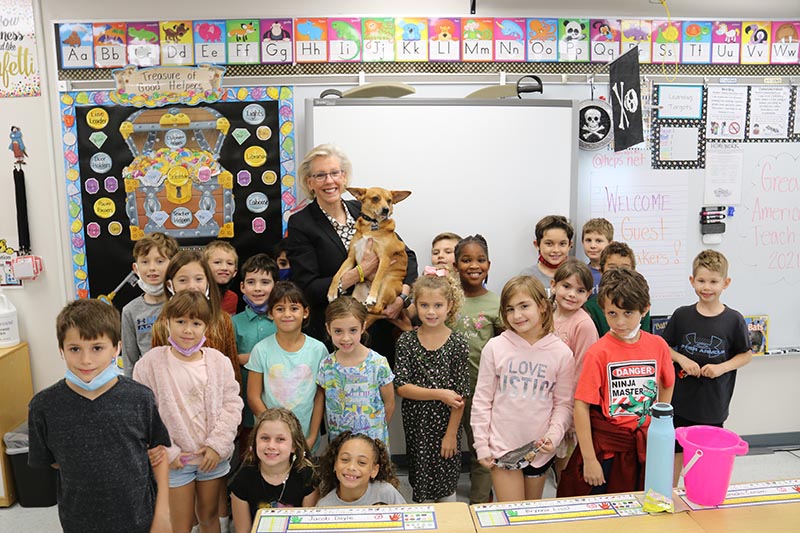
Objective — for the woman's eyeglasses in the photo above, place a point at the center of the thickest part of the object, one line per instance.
(322, 176)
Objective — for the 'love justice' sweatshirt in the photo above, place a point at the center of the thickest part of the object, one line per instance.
(524, 393)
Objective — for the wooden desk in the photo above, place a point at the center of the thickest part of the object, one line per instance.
(16, 391)
(775, 518)
(447, 518)
(532, 517)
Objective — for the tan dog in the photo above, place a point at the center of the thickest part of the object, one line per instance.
(375, 223)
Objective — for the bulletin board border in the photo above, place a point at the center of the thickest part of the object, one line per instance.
(70, 100)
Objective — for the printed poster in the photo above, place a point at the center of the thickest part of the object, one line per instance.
(724, 168)
(20, 73)
(769, 112)
(726, 112)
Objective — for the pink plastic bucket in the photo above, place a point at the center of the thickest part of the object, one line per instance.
(708, 454)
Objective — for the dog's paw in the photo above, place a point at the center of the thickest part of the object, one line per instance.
(370, 301)
(332, 295)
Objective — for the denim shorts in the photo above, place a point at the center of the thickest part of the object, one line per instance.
(187, 474)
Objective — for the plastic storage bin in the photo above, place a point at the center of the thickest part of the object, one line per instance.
(36, 487)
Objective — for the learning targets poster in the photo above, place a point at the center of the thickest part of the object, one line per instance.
(196, 166)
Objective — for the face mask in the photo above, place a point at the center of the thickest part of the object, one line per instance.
(257, 309)
(632, 334)
(284, 274)
(187, 352)
(152, 290)
(109, 373)
(172, 291)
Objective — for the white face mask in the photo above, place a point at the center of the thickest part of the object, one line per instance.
(172, 291)
(152, 290)
(632, 334)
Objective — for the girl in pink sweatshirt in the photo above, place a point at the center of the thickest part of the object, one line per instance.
(198, 400)
(522, 404)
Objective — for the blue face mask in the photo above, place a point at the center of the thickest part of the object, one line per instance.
(109, 373)
(284, 274)
(257, 309)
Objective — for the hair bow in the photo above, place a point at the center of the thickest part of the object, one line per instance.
(433, 271)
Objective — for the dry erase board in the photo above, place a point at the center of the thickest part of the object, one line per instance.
(474, 166)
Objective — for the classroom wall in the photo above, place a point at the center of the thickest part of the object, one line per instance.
(767, 381)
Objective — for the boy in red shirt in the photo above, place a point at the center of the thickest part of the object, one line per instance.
(624, 374)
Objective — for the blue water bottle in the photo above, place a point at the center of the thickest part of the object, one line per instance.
(660, 450)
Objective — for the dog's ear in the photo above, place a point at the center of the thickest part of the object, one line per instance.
(399, 196)
(357, 192)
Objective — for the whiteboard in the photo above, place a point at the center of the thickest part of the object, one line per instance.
(493, 167)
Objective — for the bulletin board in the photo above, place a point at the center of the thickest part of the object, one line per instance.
(199, 172)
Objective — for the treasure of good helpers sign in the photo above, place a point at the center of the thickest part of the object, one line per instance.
(222, 168)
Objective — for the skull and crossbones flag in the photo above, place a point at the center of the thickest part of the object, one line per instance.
(626, 100)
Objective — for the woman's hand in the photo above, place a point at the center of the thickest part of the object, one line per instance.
(449, 443)
(369, 261)
(156, 455)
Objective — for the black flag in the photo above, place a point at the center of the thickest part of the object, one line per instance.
(626, 100)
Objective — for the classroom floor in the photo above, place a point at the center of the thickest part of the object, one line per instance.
(758, 466)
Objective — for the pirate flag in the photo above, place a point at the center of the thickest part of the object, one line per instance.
(626, 100)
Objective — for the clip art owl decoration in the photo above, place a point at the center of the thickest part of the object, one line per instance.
(17, 147)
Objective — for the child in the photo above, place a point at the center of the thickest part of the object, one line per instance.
(198, 398)
(285, 365)
(281, 254)
(709, 342)
(553, 241)
(443, 250)
(356, 470)
(223, 259)
(527, 372)
(188, 271)
(151, 256)
(259, 273)
(615, 255)
(478, 320)
(595, 236)
(571, 286)
(276, 471)
(624, 374)
(96, 428)
(431, 374)
(357, 381)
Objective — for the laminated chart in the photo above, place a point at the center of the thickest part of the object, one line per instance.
(559, 510)
(327, 520)
(760, 493)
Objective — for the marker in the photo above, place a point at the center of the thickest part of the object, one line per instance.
(712, 213)
(715, 216)
(713, 208)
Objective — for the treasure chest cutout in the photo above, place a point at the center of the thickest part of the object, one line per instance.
(175, 184)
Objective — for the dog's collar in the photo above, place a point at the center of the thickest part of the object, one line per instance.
(374, 226)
